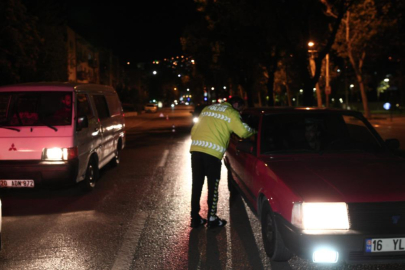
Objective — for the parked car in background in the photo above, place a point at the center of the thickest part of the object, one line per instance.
(151, 107)
(324, 184)
(58, 133)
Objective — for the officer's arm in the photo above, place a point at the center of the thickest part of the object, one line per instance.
(239, 128)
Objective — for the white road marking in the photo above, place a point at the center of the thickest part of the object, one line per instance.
(164, 158)
(126, 253)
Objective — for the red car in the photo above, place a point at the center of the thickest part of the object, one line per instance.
(324, 184)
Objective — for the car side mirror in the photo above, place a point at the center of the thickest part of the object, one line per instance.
(82, 122)
(246, 146)
(392, 144)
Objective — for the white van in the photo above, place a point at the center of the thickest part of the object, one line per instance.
(58, 133)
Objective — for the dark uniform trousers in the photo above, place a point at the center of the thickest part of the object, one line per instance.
(204, 165)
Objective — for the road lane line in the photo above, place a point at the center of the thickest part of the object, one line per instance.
(127, 251)
(164, 158)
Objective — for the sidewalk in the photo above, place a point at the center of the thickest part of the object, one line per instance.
(387, 119)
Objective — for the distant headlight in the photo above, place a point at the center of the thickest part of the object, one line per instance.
(195, 119)
(320, 216)
(59, 153)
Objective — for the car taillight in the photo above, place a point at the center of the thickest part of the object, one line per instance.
(72, 153)
(60, 153)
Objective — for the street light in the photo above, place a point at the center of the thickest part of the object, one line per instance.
(328, 89)
(311, 44)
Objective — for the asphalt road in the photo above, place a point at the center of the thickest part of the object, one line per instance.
(138, 215)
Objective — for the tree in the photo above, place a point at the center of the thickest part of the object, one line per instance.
(309, 21)
(51, 26)
(357, 38)
(240, 39)
(19, 43)
(246, 36)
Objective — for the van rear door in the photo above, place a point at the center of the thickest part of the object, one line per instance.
(29, 142)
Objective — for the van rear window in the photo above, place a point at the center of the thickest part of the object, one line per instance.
(35, 108)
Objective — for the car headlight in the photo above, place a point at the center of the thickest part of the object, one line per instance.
(59, 153)
(320, 216)
(195, 119)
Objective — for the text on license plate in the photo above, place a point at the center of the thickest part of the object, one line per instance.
(385, 244)
(17, 183)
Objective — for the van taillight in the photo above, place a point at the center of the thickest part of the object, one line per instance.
(72, 153)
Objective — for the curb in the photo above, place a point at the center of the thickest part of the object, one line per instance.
(127, 114)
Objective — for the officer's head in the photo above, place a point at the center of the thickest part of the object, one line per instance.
(237, 103)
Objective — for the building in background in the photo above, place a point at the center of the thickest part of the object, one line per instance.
(83, 59)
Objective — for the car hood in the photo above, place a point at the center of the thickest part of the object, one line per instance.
(357, 178)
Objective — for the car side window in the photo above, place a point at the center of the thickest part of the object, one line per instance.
(83, 106)
(358, 131)
(101, 107)
(251, 120)
(114, 105)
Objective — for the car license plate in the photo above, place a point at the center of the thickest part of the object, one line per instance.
(385, 244)
(23, 183)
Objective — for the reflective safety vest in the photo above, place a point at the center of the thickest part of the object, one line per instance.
(216, 122)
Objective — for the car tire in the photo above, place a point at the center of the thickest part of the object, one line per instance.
(89, 182)
(231, 183)
(272, 240)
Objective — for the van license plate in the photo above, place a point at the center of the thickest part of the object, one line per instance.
(385, 244)
(17, 183)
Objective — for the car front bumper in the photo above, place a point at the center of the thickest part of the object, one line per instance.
(44, 173)
(349, 244)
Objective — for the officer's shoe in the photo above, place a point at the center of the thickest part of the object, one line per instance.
(216, 223)
(197, 222)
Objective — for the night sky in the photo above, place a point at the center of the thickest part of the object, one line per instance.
(136, 31)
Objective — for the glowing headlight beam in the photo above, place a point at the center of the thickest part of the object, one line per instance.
(321, 216)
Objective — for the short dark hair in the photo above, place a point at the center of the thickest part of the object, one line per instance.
(236, 99)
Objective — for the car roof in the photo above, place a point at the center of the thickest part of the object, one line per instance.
(56, 86)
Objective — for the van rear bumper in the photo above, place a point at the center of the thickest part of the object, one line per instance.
(44, 173)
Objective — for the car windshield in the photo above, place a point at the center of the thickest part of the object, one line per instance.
(35, 108)
(316, 132)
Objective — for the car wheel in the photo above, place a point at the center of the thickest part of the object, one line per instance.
(272, 241)
(89, 182)
(231, 183)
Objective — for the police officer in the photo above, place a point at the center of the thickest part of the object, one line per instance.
(210, 137)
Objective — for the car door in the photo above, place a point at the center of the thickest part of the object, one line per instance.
(87, 137)
(247, 160)
(235, 161)
(106, 128)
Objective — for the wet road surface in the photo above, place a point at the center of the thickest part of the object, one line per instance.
(138, 215)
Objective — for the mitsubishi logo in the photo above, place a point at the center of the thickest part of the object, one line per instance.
(395, 219)
(12, 148)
